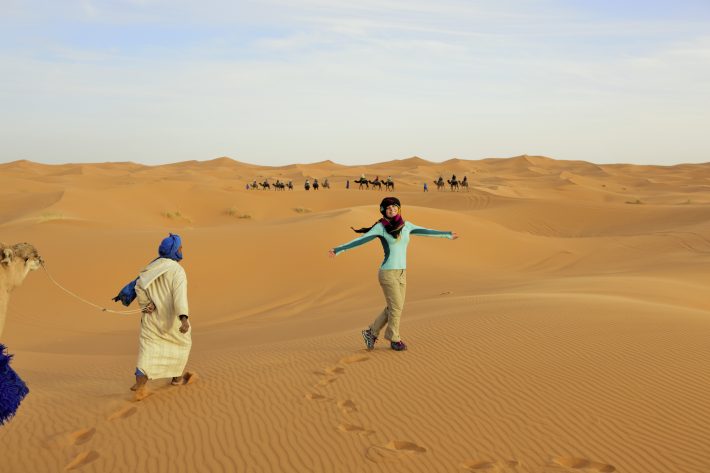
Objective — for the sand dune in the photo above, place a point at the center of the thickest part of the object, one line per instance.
(565, 331)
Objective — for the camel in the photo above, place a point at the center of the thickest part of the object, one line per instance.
(362, 182)
(389, 185)
(290, 185)
(464, 183)
(279, 186)
(376, 184)
(265, 185)
(315, 184)
(17, 261)
(439, 183)
(454, 184)
(326, 184)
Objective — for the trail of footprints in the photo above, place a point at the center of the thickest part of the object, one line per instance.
(85, 435)
(390, 452)
(555, 464)
(395, 450)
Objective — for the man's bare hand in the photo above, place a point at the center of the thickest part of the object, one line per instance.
(185, 326)
(149, 309)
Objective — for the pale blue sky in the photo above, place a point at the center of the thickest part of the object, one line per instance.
(283, 81)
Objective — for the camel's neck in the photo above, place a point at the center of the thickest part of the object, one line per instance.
(4, 299)
(10, 280)
(6, 287)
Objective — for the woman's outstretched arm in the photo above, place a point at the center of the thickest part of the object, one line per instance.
(374, 232)
(417, 230)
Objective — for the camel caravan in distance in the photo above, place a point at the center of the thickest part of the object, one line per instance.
(281, 186)
(16, 263)
(278, 185)
(316, 185)
(377, 184)
(454, 183)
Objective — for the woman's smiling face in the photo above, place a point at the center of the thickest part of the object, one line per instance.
(391, 211)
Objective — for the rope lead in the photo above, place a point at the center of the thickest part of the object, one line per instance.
(103, 309)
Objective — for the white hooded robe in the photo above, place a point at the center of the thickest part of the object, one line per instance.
(163, 350)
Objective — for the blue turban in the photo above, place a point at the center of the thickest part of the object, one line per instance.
(170, 246)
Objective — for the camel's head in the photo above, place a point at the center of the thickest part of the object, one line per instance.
(19, 260)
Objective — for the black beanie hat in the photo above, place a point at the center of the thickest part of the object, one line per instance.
(387, 201)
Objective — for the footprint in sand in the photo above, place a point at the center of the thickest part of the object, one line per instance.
(393, 451)
(354, 429)
(478, 465)
(353, 359)
(577, 463)
(484, 465)
(82, 459)
(142, 394)
(334, 370)
(325, 381)
(123, 413)
(347, 406)
(81, 436)
(315, 397)
(190, 377)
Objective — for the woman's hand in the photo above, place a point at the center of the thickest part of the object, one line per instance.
(454, 235)
(331, 253)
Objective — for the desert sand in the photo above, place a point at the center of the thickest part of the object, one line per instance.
(566, 330)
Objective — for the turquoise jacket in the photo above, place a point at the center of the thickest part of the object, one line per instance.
(395, 248)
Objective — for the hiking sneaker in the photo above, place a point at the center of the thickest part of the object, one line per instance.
(398, 346)
(369, 338)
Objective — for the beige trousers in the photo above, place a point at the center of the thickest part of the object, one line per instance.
(394, 286)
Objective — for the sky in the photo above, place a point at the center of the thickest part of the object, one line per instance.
(278, 82)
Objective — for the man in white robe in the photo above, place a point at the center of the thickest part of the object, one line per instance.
(164, 340)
